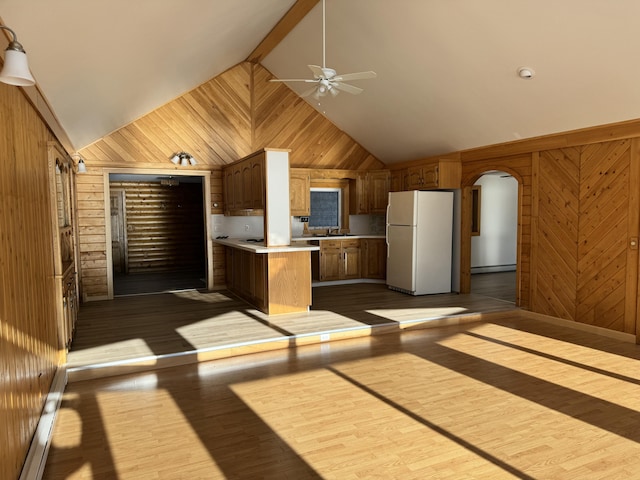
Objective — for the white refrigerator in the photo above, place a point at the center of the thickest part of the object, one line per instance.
(419, 241)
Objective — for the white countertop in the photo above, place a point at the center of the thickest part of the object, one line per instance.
(255, 247)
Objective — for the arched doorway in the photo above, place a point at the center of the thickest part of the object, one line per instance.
(494, 235)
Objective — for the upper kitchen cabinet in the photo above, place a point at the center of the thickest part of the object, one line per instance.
(300, 192)
(244, 191)
(397, 180)
(368, 192)
(434, 174)
(254, 186)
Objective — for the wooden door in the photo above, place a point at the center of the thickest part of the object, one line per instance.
(607, 276)
(118, 232)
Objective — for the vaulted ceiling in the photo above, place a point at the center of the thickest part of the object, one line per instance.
(447, 69)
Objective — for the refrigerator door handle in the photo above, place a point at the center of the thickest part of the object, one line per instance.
(386, 233)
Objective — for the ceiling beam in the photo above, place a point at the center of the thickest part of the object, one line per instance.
(287, 23)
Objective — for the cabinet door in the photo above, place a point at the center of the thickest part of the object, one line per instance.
(396, 180)
(430, 176)
(374, 258)
(228, 189)
(378, 191)
(414, 178)
(247, 197)
(260, 274)
(351, 263)
(330, 263)
(358, 195)
(229, 267)
(237, 187)
(300, 193)
(257, 184)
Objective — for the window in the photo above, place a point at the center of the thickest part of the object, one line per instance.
(326, 208)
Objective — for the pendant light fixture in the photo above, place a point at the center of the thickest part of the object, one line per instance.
(15, 70)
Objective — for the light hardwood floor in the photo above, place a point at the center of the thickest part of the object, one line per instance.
(506, 398)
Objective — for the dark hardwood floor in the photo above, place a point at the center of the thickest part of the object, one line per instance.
(145, 283)
(500, 285)
(140, 332)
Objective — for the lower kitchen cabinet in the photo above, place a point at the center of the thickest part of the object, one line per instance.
(278, 282)
(374, 258)
(349, 259)
(336, 260)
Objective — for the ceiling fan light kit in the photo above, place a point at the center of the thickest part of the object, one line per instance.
(326, 80)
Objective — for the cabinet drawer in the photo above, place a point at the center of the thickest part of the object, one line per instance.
(330, 244)
(351, 243)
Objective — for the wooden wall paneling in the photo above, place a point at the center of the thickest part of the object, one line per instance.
(164, 227)
(28, 333)
(212, 122)
(604, 235)
(284, 120)
(557, 233)
(92, 234)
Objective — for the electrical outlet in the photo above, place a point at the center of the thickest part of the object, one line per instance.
(324, 337)
(246, 228)
(304, 219)
(216, 228)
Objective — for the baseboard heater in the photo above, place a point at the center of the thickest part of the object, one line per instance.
(493, 269)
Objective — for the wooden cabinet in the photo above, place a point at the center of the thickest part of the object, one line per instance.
(246, 275)
(300, 192)
(378, 194)
(337, 260)
(244, 189)
(272, 282)
(374, 258)
(369, 192)
(257, 183)
(397, 180)
(434, 174)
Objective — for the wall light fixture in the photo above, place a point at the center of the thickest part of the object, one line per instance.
(15, 70)
(183, 159)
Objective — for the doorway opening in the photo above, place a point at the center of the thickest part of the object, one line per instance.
(157, 233)
(494, 236)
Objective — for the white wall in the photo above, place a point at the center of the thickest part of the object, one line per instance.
(495, 248)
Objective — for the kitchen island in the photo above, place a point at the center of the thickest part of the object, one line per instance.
(275, 280)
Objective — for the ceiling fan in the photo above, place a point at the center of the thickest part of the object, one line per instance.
(326, 80)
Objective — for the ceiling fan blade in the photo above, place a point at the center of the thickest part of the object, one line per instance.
(355, 76)
(308, 92)
(347, 88)
(317, 71)
(293, 80)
